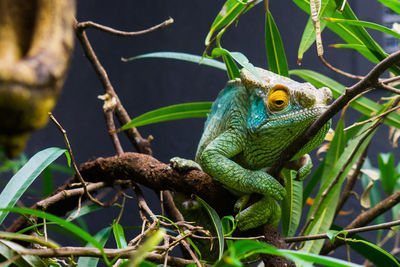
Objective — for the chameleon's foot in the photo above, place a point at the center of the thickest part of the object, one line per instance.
(182, 164)
(265, 211)
(304, 170)
(302, 166)
(241, 203)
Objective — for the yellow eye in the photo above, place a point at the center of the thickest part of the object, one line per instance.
(278, 98)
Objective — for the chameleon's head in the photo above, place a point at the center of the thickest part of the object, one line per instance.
(279, 102)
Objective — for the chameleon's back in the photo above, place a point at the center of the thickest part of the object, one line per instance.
(219, 118)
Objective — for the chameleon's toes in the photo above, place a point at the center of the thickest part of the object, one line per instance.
(182, 164)
(265, 211)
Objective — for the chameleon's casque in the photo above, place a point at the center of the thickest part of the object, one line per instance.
(251, 122)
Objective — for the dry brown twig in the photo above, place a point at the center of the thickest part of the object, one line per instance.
(78, 174)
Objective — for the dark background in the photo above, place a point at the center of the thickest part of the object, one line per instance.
(147, 84)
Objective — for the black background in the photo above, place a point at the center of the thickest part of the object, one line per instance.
(147, 84)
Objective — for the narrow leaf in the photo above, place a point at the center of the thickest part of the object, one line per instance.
(217, 224)
(277, 61)
(388, 174)
(372, 252)
(119, 235)
(63, 223)
(148, 246)
(292, 204)
(366, 24)
(25, 177)
(239, 58)
(11, 250)
(174, 112)
(229, 12)
(324, 214)
(392, 4)
(182, 56)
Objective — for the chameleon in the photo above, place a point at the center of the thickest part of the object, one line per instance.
(253, 119)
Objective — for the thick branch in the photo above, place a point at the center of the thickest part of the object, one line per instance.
(142, 169)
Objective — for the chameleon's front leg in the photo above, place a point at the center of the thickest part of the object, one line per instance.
(215, 160)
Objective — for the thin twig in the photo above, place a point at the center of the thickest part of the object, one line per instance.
(372, 118)
(349, 75)
(349, 232)
(78, 174)
(389, 88)
(89, 24)
(142, 145)
(390, 80)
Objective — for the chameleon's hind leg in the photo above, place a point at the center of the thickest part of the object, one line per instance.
(264, 211)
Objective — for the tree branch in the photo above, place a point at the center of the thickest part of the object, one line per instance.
(94, 252)
(89, 24)
(141, 145)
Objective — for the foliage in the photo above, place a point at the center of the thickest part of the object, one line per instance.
(344, 151)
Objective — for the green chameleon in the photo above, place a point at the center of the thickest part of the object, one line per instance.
(251, 122)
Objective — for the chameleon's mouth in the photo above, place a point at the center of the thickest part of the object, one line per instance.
(36, 42)
(306, 115)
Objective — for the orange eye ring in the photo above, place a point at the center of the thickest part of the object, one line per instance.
(278, 98)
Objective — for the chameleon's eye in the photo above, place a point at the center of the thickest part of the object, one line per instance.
(278, 98)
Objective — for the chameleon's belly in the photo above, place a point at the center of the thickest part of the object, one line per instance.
(257, 159)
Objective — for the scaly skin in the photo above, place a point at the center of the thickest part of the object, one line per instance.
(247, 129)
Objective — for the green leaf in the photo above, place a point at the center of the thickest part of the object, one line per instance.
(11, 250)
(153, 240)
(392, 4)
(388, 172)
(361, 104)
(83, 211)
(229, 11)
(231, 68)
(336, 149)
(63, 223)
(174, 112)
(325, 212)
(372, 252)
(182, 56)
(277, 61)
(102, 237)
(292, 204)
(360, 48)
(332, 235)
(245, 248)
(239, 58)
(119, 235)
(25, 177)
(217, 224)
(366, 24)
(47, 182)
(328, 7)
